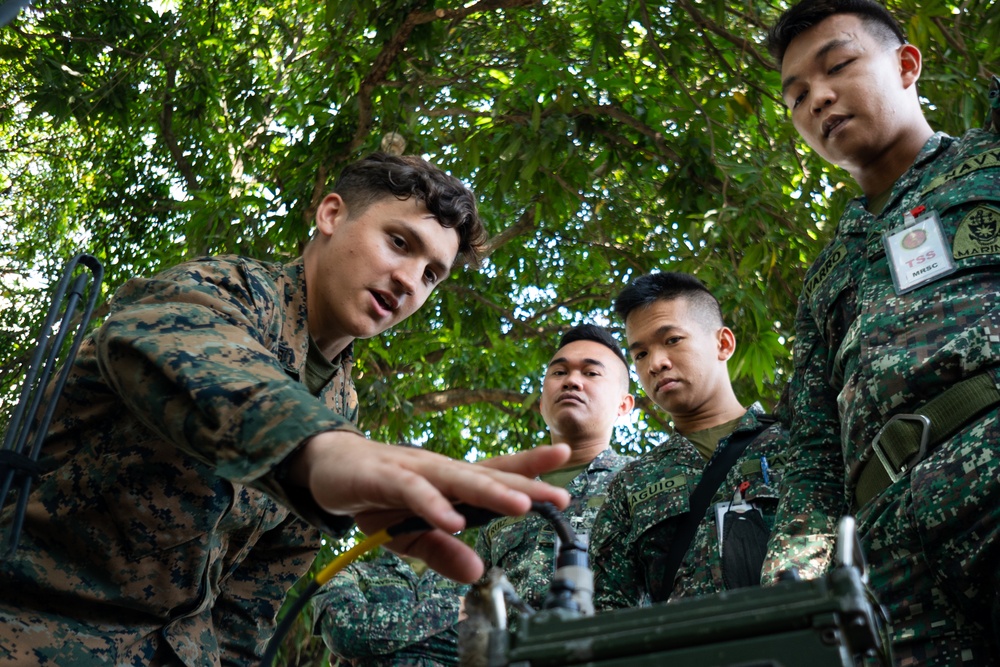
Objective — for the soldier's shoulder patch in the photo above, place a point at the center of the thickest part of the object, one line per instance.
(669, 485)
(985, 160)
(831, 260)
(978, 233)
(498, 525)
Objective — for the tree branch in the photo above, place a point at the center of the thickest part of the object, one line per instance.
(744, 44)
(60, 37)
(622, 116)
(379, 71)
(524, 224)
(439, 401)
(167, 130)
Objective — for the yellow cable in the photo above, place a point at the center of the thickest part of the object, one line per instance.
(352, 554)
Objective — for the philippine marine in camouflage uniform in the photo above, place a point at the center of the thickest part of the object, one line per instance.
(866, 351)
(381, 613)
(585, 390)
(199, 445)
(680, 348)
(648, 499)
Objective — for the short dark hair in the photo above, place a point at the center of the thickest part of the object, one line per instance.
(595, 333)
(379, 175)
(798, 18)
(667, 286)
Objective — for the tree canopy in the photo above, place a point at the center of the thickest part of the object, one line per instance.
(603, 139)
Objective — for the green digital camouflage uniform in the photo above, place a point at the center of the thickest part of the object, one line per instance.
(650, 497)
(382, 614)
(149, 539)
(524, 545)
(863, 354)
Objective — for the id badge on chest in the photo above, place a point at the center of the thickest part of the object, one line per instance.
(918, 251)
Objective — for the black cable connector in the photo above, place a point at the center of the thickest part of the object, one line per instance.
(572, 586)
(474, 518)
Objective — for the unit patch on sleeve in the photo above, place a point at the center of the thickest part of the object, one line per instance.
(978, 233)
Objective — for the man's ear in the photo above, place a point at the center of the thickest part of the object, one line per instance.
(910, 63)
(330, 212)
(726, 343)
(626, 405)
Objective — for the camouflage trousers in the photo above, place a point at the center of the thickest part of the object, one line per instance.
(932, 541)
(30, 640)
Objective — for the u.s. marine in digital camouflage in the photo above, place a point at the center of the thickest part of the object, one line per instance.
(200, 446)
(125, 527)
(585, 390)
(381, 613)
(867, 352)
(680, 347)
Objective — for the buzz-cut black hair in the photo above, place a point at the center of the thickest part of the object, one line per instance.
(594, 333)
(798, 18)
(667, 286)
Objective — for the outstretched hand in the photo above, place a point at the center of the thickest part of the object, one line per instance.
(380, 484)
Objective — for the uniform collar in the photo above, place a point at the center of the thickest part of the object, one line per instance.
(606, 460)
(857, 218)
(294, 346)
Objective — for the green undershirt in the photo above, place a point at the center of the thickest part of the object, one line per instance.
(878, 202)
(708, 439)
(319, 369)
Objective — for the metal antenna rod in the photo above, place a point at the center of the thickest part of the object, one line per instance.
(14, 463)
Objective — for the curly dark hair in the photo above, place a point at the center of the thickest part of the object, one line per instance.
(798, 18)
(378, 175)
